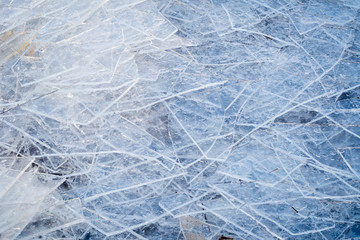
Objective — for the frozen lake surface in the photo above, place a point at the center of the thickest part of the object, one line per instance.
(180, 119)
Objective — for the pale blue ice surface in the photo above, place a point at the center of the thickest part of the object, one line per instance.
(140, 119)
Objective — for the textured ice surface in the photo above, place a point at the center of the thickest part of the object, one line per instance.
(180, 119)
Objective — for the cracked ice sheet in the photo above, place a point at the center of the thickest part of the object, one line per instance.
(179, 119)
